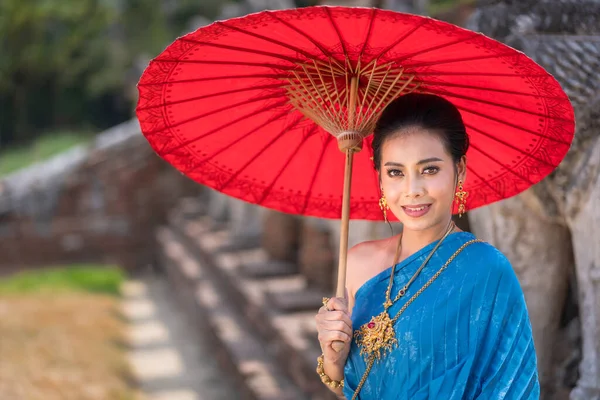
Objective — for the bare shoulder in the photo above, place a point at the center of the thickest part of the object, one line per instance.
(366, 260)
(364, 250)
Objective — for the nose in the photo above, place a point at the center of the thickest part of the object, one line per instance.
(414, 187)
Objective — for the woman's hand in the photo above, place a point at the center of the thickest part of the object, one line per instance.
(334, 324)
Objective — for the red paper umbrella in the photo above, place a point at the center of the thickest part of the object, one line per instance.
(259, 107)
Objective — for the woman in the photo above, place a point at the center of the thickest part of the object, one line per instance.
(431, 313)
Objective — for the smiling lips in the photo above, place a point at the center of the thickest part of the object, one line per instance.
(417, 210)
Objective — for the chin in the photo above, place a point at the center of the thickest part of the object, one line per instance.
(417, 225)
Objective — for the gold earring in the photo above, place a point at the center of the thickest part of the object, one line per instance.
(383, 205)
(461, 198)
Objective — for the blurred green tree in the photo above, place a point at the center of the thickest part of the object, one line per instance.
(71, 63)
(53, 55)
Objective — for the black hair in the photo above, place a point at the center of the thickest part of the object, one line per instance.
(426, 111)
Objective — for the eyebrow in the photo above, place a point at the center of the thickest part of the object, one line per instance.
(425, 161)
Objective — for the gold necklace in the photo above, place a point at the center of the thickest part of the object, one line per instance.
(377, 337)
(372, 358)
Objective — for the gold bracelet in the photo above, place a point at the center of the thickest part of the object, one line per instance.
(324, 377)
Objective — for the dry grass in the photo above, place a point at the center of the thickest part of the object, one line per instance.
(62, 346)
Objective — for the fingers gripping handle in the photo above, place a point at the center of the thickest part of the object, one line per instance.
(337, 345)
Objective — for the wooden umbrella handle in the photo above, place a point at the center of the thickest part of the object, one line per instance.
(343, 255)
(349, 143)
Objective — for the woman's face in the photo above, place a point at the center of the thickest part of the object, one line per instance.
(418, 177)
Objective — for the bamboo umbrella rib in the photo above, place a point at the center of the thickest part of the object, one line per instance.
(313, 178)
(377, 107)
(337, 30)
(228, 124)
(296, 150)
(257, 155)
(319, 45)
(338, 94)
(369, 86)
(507, 167)
(463, 59)
(511, 125)
(437, 47)
(433, 84)
(475, 73)
(216, 94)
(400, 39)
(275, 41)
(218, 110)
(225, 62)
(482, 179)
(313, 93)
(242, 50)
(366, 91)
(369, 32)
(327, 92)
(240, 139)
(320, 93)
(492, 103)
(348, 97)
(510, 146)
(213, 78)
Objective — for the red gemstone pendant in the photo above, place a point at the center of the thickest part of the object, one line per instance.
(376, 337)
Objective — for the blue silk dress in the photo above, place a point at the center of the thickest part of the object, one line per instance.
(467, 336)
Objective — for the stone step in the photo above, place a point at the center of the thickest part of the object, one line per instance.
(241, 353)
(290, 336)
(299, 300)
(268, 269)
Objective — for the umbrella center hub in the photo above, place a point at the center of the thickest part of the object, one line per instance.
(346, 97)
(350, 141)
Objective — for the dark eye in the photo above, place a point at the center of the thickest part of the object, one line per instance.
(394, 172)
(431, 170)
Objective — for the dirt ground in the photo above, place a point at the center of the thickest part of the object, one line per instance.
(62, 347)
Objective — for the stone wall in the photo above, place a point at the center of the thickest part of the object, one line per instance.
(550, 232)
(95, 203)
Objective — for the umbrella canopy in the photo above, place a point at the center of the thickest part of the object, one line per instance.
(253, 106)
